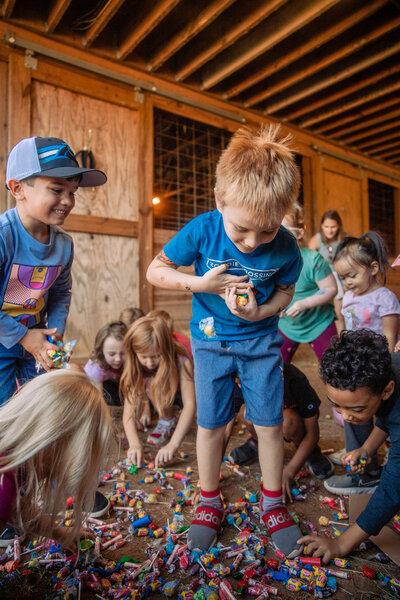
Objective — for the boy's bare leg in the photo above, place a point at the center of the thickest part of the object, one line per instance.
(282, 528)
(209, 513)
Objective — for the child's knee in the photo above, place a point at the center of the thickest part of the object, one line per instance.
(293, 425)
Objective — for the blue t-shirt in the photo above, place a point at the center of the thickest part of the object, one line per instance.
(204, 242)
(35, 279)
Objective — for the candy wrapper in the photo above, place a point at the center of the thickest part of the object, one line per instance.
(208, 329)
(396, 262)
(61, 356)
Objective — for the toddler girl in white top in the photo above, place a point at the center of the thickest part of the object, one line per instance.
(361, 264)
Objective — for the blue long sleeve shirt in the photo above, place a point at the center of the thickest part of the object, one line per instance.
(35, 279)
(385, 502)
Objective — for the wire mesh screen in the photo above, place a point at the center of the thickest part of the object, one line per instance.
(382, 212)
(186, 153)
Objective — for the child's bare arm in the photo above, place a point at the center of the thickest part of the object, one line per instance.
(164, 273)
(135, 450)
(390, 326)
(278, 301)
(303, 451)
(166, 453)
(327, 291)
(35, 342)
(328, 548)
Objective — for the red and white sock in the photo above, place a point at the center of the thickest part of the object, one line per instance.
(280, 525)
(207, 521)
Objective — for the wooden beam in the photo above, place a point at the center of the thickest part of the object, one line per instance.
(345, 73)
(378, 143)
(276, 31)
(101, 225)
(149, 22)
(230, 37)
(7, 8)
(353, 46)
(396, 148)
(102, 19)
(341, 125)
(19, 99)
(342, 94)
(194, 27)
(375, 130)
(315, 41)
(56, 14)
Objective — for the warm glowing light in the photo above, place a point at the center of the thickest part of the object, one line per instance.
(156, 200)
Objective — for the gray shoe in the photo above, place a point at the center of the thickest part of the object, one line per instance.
(352, 484)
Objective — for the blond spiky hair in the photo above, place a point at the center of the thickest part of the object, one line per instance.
(258, 172)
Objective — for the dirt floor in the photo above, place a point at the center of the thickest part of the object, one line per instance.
(233, 487)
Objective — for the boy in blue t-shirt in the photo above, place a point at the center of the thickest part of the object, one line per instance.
(36, 255)
(238, 249)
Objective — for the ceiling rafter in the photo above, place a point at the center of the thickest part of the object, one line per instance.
(378, 129)
(194, 27)
(341, 95)
(229, 38)
(102, 20)
(146, 26)
(7, 8)
(332, 127)
(227, 66)
(56, 13)
(378, 143)
(394, 150)
(298, 52)
(350, 48)
(360, 127)
(333, 79)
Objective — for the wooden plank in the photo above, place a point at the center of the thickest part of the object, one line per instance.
(3, 137)
(7, 8)
(354, 116)
(378, 129)
(101, 21)
(378, 142)
(19, 99)
(103, 225)
(344, 131)
(193, 28)
(298, 52)
(145, 184)
(57, 12)
(150, 21)
(275, 32)
(353, 46)
(388, 152)
(229, 37)
(345, 73)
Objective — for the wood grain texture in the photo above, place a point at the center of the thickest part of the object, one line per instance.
(113, 141)
(3, 136)
(104, 225)
(105, 280)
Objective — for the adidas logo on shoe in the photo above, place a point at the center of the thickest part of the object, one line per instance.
(207, 517)
(277, 519)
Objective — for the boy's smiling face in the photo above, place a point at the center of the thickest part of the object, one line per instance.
(240, 227)
(359, 406)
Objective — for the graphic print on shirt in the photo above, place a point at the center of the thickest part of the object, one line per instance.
(352, 321)
(236, 268)
(23, 298)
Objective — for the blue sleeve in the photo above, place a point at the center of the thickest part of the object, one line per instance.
(385, 502)
(183, 249)
(59, 298)
(289, 273)
(11, 332)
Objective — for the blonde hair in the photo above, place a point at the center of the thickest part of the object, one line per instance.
(296, 219)
(130, 314)
(151, 332)
(258, 172)
(53, 435)
(163, 314)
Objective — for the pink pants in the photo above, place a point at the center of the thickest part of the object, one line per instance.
(319, 345)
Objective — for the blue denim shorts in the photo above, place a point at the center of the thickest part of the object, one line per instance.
(258, 364)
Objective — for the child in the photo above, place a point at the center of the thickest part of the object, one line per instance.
(240, 248)
(36, 255)
(326, 241)
(107, 360)
(309, 318)
(156, 366)
(130, 314)
(53, 436)
(179, 337)
(300, 426)
(362, 381)
(361, 262)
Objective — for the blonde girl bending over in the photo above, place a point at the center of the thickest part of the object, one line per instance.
(53, 435)
(156, 367)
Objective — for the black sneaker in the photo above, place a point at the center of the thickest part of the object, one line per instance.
(100, 507)
(352, 484)
(319, 465)
(7, 536)
(245, 454)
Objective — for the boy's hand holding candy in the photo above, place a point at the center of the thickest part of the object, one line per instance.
(36, 343)
(356, 460)
(217, 281)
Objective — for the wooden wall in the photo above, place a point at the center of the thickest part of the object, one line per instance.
(112, 226)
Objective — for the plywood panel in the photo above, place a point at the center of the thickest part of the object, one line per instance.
(110, 131)
(344, 194)
(104, 282)
(178, 304)
(3, 135)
